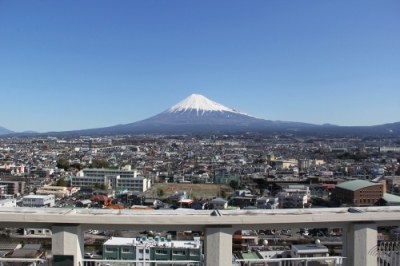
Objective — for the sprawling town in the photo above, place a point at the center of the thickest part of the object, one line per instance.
(214, 172)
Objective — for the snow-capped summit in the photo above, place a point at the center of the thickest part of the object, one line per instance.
(197, 112)
(200, 104)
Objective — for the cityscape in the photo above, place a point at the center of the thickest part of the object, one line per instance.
(199, 133)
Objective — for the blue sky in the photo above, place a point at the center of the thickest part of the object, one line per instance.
(68, 65)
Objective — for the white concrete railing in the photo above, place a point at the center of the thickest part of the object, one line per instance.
(68, 225)
(89, 262)
(322, 261)
(21, 261)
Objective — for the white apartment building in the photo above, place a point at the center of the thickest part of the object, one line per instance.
(38, 201)
(112, 178)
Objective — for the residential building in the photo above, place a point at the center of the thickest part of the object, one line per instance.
(3, 190)
(14, 187)
(158, 248)
(267, 203)
(38, 201)
(294, 196)
(223, 176)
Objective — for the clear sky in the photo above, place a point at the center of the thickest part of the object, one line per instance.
(68, 65)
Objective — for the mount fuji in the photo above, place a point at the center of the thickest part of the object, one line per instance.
(198, 114)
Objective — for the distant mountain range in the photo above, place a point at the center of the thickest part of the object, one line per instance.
(4, 131)
(200, 115)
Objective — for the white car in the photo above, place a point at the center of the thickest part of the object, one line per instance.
(88, 255)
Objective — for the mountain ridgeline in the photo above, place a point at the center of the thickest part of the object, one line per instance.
(200, 115)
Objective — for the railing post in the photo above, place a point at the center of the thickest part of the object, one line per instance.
(218, 246)
(68, 240)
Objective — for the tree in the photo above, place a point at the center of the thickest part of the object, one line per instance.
(398, 171)
(100, 186)
(223, 194)
(61, 182)
(160, 192)
(63, 164)
(234, 184)
(100, 164)
(77, 166)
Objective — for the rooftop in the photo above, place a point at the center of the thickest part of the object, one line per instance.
(391, 198)
(355, 185)
(124, 241)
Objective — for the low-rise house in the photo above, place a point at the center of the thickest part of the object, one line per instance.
(267, 203)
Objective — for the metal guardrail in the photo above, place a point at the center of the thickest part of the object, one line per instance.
(387, 253)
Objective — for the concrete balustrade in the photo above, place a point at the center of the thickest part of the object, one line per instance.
(360, 229)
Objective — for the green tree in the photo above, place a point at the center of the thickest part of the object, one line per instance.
(223, 194)
(61, 182)
(100, 164)
(234, 184)
(398, 171)
(77, 166)
(160, 192)
(100, 186)
(63, 164)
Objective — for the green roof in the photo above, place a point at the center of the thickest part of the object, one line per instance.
(249, 255)
(391, 198)
(356, 185)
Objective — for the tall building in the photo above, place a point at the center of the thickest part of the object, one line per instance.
(13, 187)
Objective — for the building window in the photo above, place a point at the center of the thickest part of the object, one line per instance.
(110, 249)
(194, 252)
(161, 252)
(179, 252)
(126, 250)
